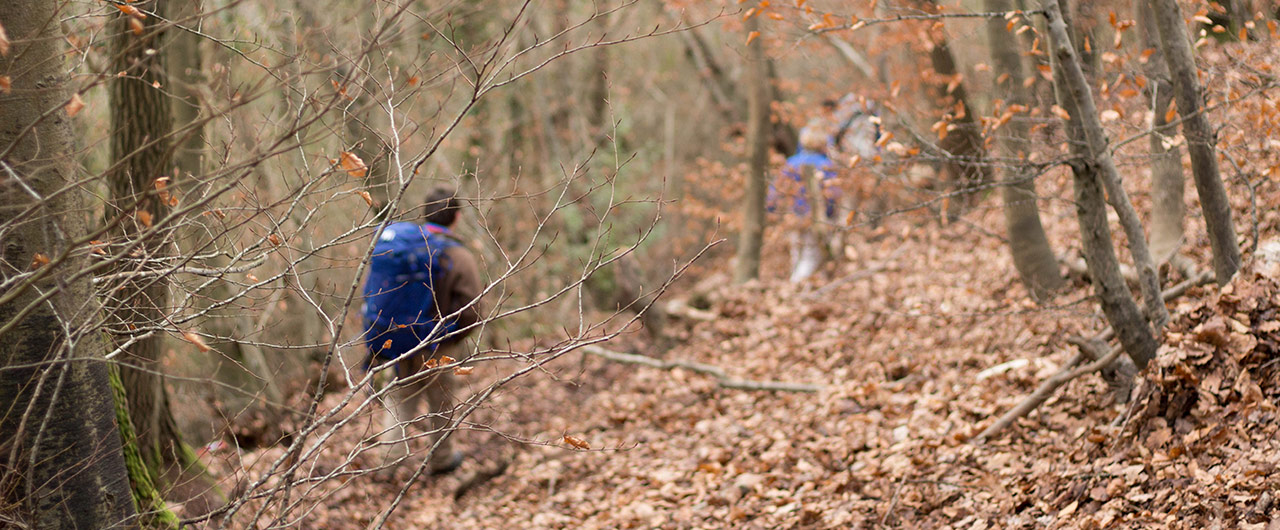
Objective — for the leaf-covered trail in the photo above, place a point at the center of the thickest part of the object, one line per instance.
(886, 443)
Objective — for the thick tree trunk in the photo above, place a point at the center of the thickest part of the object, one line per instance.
(1200, 139)
(142, 152)
(1167, 180)
(1092, 167)
(1032, 255)
(751, 239)
(61, 464)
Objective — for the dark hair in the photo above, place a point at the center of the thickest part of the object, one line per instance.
(442, 206)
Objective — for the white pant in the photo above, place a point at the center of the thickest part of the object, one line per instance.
(403, 402)
(806, 255)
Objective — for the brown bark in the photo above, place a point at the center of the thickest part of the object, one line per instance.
(61, 464)
(1092, 166)
(1200, 139)
(1032, 256)
(141, 153)
(1098, 149)
(1167, 180)
(751, 238)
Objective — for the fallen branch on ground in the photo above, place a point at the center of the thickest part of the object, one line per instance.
(1069, 370)
(722, 378)
(680, 308)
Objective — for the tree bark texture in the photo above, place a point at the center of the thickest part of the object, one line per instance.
(1167, 180)
(751, 238)
(1200, 139)
(1090, 161)
(61, 464)
(142, 152)
(1032, 256)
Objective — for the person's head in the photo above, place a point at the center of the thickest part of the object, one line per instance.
(813, 138)
(828, 107)
(441, 207)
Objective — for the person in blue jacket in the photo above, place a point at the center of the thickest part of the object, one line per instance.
(420, 303)
(806, 250)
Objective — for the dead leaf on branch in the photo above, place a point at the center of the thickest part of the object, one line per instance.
(577, 443)
(196, 340)
(352, 164)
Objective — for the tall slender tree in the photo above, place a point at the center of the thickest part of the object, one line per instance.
(1032, 255)
(962, 144)
(1201, 139)
(1094, 172)
(751, 239)
(1167, 180)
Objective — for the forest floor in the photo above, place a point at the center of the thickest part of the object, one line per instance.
(906, 357)
(921, 339)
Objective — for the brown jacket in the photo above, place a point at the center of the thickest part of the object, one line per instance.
(459, 286)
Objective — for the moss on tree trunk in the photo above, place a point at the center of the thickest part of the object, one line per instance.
(146, 497)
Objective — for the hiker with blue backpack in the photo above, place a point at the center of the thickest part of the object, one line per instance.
(792, 187)
(420, 302)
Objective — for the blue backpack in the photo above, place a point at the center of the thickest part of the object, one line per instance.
(399, 300)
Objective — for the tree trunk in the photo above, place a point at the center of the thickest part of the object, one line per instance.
(751, 239)
(1167, 181)
(1200, 139)
(1092, 167)
(963, 145)
(1032, 255)
(142, 152)
(61, 464)
(186, 77)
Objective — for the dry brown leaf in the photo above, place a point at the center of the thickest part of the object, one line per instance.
(196, 340)
(352, 164)
(577, 443)
(75, 105)
(131, 11)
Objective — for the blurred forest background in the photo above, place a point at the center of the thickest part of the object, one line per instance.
(191, 189)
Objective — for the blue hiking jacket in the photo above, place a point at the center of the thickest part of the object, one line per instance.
(799, 199)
